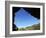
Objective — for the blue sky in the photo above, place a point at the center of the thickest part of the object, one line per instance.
(23, 19)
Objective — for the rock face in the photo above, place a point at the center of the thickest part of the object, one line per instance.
(35, 13)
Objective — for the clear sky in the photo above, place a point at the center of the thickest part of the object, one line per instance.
(23, 19)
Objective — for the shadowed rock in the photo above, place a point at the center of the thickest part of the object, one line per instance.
(15, 28)
(35, 11)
